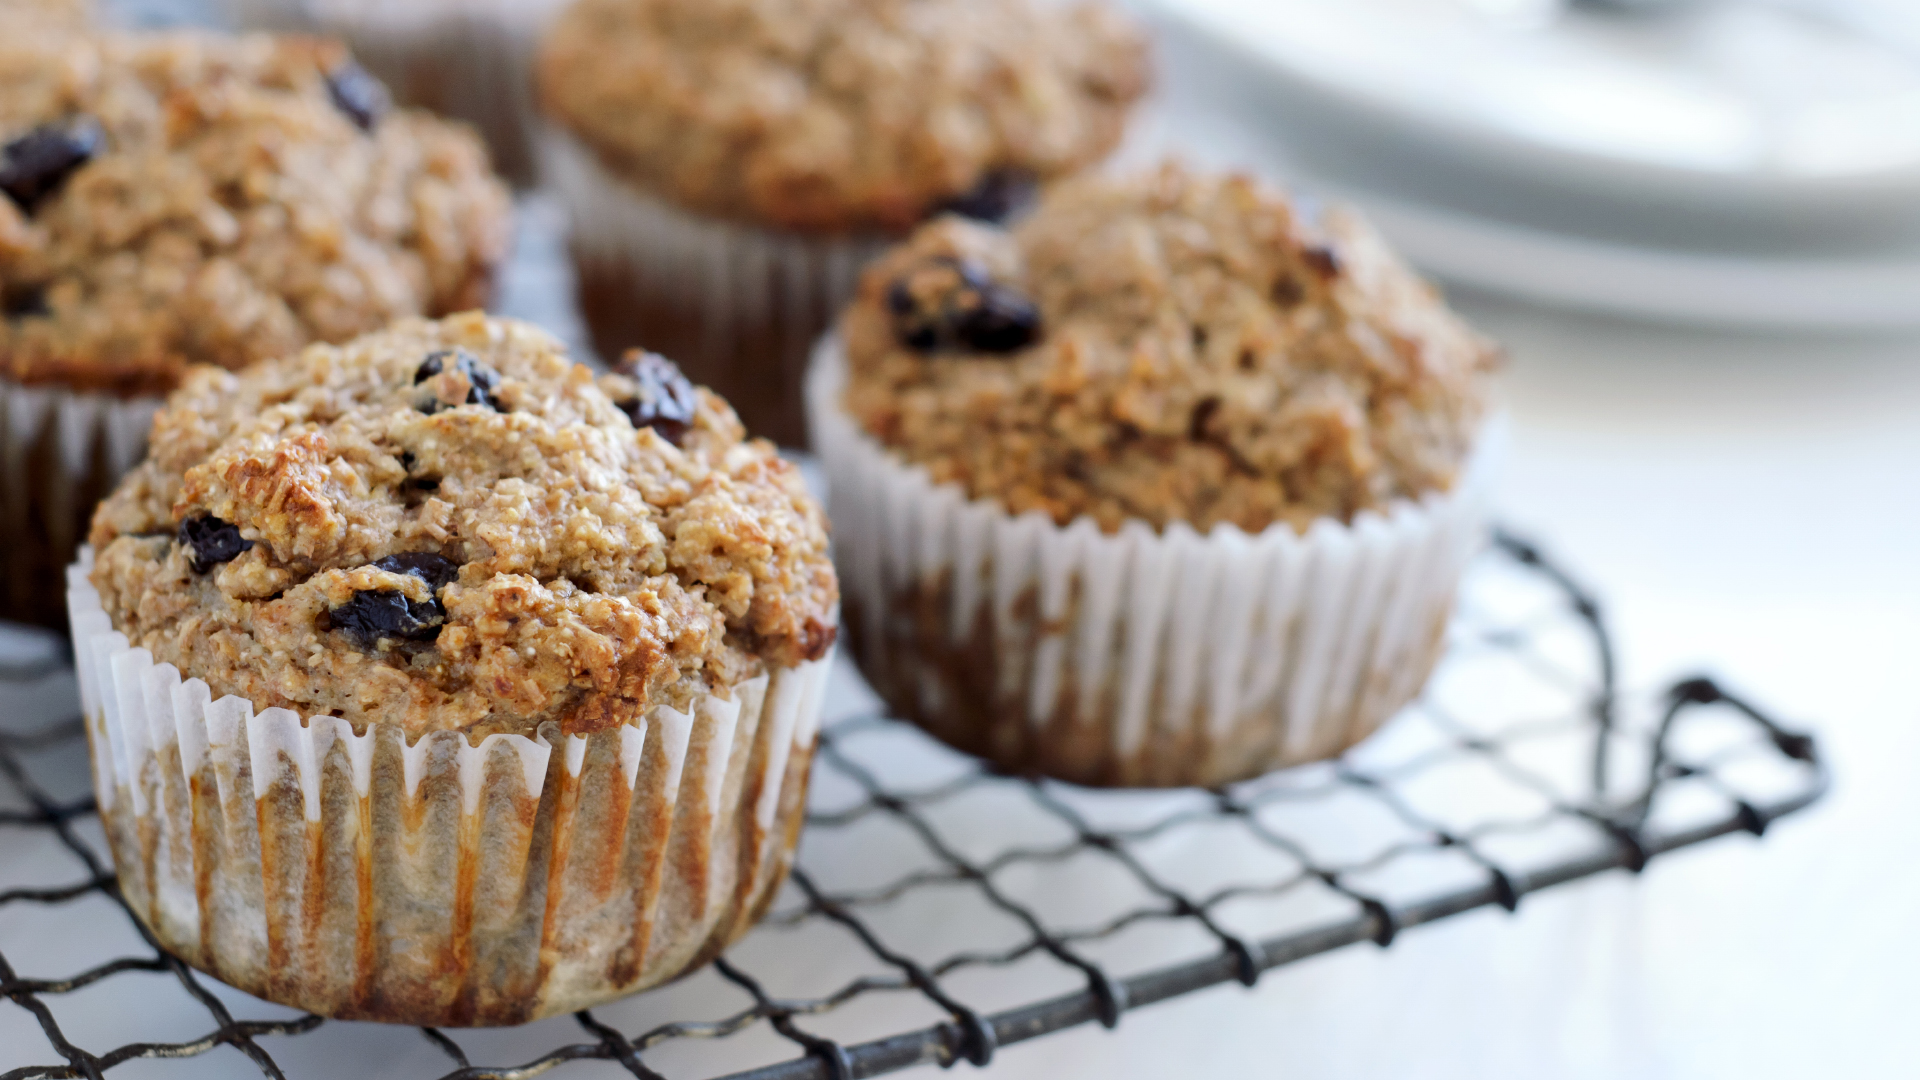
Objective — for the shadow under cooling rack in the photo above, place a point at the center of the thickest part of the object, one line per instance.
(941, 911)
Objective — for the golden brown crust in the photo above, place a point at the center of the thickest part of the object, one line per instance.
(600, 568)
(235, 212)
(1208, 352)
(838, 116)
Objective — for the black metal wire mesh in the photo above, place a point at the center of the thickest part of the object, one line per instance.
(941, 911)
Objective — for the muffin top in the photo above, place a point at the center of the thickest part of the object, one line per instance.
(450, 525)
(839, 116)
(186, 197)
(1172, 346)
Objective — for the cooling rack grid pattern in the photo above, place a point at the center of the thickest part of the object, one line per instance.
(941, 911)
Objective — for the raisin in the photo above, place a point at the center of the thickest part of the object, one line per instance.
(482, 380)
(998, 195)
(36, 164)
(666, 401)
(24, 302)
(1002, 322)
(1322, 261)
(949, 303)
(923, 338)
(363, 98)
(1203, 412)
(374, 614)
(1288, 292)
(210, 541)
(368, 617)
(436, 570)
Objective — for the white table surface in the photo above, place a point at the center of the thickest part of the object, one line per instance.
(1746, 506)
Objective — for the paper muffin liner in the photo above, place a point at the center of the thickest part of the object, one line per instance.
(439, 882)
(738, 308)
(468, 59)
(1137, 658)
(60, 453)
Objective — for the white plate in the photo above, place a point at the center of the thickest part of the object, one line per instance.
(1755, 94)
(1755, 293)
(1737, 162)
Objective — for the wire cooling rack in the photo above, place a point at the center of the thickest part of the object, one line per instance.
(941, 911)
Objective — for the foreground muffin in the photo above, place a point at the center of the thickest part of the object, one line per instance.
(557, 641)
(1170, 484)
(172, 199)
(467, 59)
(730, 164)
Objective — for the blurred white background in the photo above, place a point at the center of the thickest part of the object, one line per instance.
(1742, 162)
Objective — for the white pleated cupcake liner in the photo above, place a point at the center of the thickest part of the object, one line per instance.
(437, 881)
(738, 308)
(1136, 658)
(468, 59)
(59, 451)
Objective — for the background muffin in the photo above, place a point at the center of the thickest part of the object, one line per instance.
(467, 59)
(452, 549)
(730, 164)
(191, 198)
(1030, 431)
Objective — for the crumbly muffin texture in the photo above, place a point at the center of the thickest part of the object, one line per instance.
(184, 198)
(840, 116)
(452, 526)
(1172, 346)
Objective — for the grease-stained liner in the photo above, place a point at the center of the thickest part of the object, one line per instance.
(439, 883)
(1137, 658)
(61, 452)
(738, 308)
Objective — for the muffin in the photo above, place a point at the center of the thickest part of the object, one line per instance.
(730, 165)
(520, 666)
(467, 59)
(189, 198)
(1171, 484)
